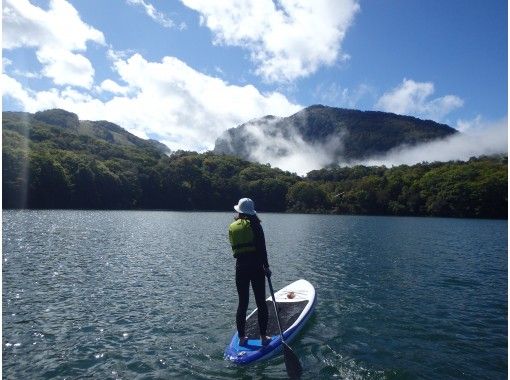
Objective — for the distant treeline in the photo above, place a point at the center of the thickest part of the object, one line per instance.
(49, 167)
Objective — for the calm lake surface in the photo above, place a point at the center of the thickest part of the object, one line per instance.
(151, 295)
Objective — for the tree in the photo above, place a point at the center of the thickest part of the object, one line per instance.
(48, 184)
(307, 196)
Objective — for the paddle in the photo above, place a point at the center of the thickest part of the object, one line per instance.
(292, 364)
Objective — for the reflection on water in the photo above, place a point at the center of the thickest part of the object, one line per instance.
(151, 295)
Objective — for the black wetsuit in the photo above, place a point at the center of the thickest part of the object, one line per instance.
(250, 269)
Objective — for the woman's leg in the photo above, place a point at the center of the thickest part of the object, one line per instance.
(258, 284)
(243, 291)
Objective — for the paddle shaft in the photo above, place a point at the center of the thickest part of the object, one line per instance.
(292, 364)
(275, 308)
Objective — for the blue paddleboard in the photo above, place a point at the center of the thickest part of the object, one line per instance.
(295, 303)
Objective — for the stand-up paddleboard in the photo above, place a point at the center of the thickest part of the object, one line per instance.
(295, 304)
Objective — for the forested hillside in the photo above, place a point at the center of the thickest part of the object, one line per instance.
(48, 164)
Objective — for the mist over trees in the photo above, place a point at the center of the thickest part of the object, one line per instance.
(55, 161)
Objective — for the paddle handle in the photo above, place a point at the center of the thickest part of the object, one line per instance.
(275, 308)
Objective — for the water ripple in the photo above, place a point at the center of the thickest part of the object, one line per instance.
(151, 295)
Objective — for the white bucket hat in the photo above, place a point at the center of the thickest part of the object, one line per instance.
(245, 206)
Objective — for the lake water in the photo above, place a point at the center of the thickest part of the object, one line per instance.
(151, 295)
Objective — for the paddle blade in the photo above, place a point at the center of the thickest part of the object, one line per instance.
(294, 369)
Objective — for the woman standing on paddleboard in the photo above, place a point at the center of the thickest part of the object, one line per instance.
(249, 248)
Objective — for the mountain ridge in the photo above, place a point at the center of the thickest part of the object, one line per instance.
(69, 122)
(359, 134)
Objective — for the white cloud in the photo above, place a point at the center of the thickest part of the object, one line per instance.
(413, 98)
(484, 139)
(66, 67)
(169, 100)
(154, 14)
(56, 34)
(61, 26)
(12, 88)
(287, 39)
(109, 85)
(32, 101)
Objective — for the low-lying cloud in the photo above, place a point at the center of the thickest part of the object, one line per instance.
(287, 150)
(283, 147)
(485, 139)
(301, 157)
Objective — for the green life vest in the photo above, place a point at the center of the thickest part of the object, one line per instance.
(241, 237)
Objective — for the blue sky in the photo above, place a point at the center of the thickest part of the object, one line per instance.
(184, 71)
